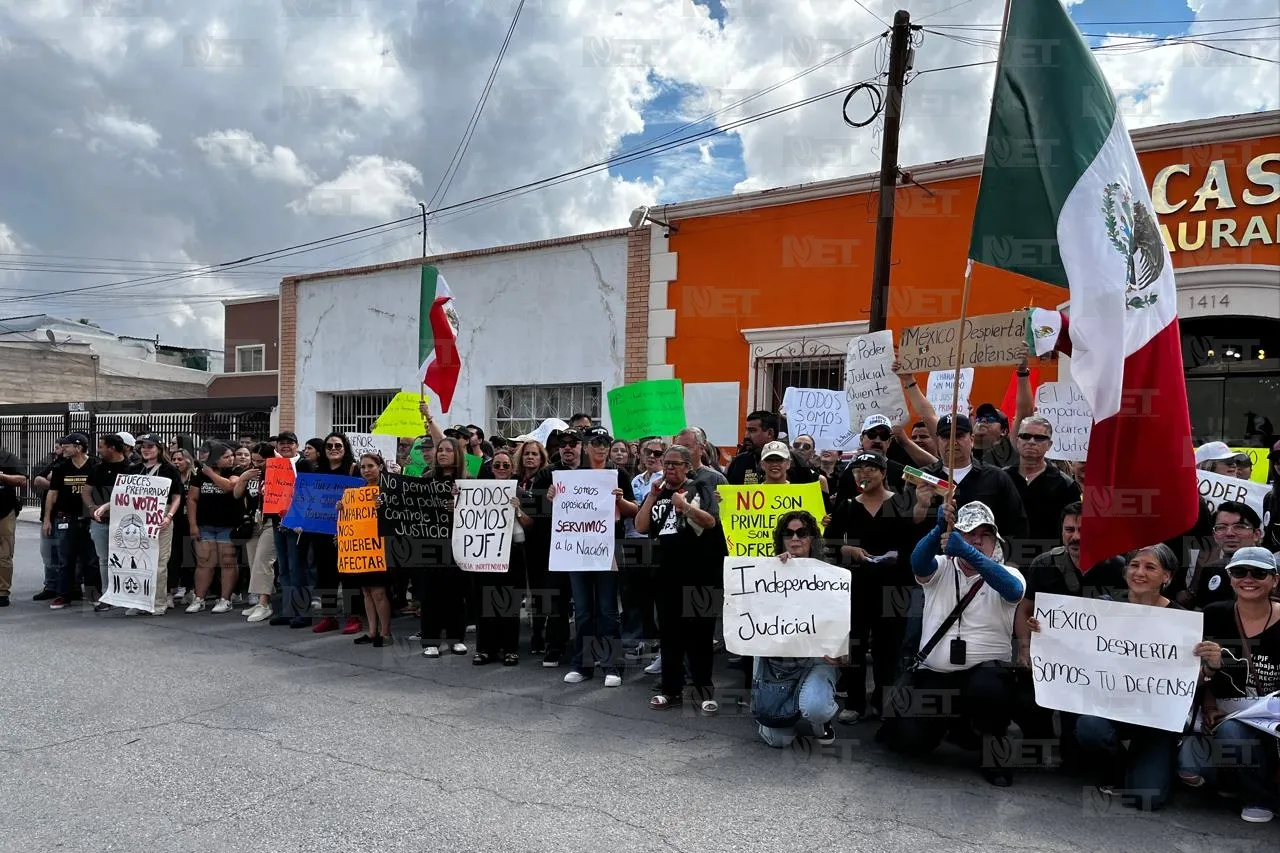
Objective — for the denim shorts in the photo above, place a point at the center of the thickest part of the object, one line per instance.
(215, 534)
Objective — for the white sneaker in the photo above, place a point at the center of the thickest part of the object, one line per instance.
(196, 606)
(471, 629)
(168, 603)
(654, 668)
(315, 604)
(260, 613)
(574, 677)
(222, 606)
(613, 680)
(459, 648)
(248, 610)
(180, 593)
(1256, 814)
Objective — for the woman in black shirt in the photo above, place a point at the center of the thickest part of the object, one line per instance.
(212, 512)
(155, 463)
(338, 459)
(373, 585)
(260, 549)
(440, 589)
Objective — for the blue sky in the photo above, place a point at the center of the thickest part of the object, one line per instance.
(662, 115)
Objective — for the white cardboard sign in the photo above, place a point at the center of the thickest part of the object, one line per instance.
(364, 442)
(870, 384)
(582, 516)
(1216, 488)
(942, 384)
(822, 414)
(796, 609)
(1062, 404)
(483, 524)
(138, 506)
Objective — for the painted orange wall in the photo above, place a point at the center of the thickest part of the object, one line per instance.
(811, 262)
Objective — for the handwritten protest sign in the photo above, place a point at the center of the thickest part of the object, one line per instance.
(822, 414)
(1258, 458)
(314, 508)
(749, 514)
(414, 508)
(1216, 488)
(1125, 662)
(483, 523)
(1062, 404)
(277, 486)
(360, 548)
(653, 407)
(797, 609)
(988, 339)
(402, 417)
(869, 382)
(941, 386)
(138, 505)
(367, 442)
(582, 518)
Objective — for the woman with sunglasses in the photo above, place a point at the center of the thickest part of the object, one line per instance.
(443, 588)
(681, 515)
(260, 548)
(374, 585)
(812, 680)
(1241, 662)
(338, 459)
(638, 623)
(498, 628)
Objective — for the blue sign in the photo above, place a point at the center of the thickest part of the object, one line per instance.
(315, 502)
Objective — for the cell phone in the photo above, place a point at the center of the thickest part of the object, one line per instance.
(958, 648)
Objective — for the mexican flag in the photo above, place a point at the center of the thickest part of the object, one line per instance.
(438, 337)
(1063, 200)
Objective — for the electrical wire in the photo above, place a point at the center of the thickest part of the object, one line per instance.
(872, 14)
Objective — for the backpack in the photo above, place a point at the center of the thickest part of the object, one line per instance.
(775, 696)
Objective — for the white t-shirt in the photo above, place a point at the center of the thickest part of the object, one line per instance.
(986, 624)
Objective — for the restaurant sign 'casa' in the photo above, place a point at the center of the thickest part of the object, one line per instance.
(1263, 188)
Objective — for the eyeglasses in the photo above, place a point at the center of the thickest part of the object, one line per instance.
(1038, 439)
(573, 443)
(796, 533)
(1234, 527)
(672, 464)
(1239, 572)
(334, 445)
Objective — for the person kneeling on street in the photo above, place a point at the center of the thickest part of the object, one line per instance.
(964, 683)
(788, 694)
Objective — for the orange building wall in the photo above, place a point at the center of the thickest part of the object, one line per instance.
(811, 263)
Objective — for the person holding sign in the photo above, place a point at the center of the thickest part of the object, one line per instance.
(373, 585)
(441, 589)
(1241, 655)
(498, 628)
(1141, 772)
(212, 511)
(338, 459)
(970, 596)
(786, 692)
(681, 515)
(261, 547)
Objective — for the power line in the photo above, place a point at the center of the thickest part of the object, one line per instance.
(872, 14)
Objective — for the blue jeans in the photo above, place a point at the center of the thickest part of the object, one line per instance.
(1237, 758)
(100, 533)
(595, 618)
(817, 706)
(295, 587)
(72, 547)
(1146, 766)
(49, 556)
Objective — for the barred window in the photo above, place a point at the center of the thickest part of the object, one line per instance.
(357, 412)
(518, 409)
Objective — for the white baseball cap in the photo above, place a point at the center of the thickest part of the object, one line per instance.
(127, 438)
(1214, 451)
(874, 421)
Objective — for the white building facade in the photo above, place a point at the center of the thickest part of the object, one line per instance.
(542, 333)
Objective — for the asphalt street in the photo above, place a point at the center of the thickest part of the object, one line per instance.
(204, 733)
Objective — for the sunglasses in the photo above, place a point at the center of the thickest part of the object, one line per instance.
(802, 446)
(879, 433)
(1038, 439)
(1239, 572)
(333, 445)
(569, 442)
(599, 442)
(501, 466)
(987, 419)
(655, 454)
(796, 533)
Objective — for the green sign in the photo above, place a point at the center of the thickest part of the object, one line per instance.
(473, 464)
(641, 409)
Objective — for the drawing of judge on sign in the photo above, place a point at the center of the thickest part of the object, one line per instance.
(137, 511)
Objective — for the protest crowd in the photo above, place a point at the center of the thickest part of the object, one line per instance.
(946, 580)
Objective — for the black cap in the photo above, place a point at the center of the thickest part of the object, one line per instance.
(870, 458)
(455, 432)
(150, 438)
(962, 425)
(75, 438)
(287, 436)
(598, 433)
(569, 436)
(989, 410)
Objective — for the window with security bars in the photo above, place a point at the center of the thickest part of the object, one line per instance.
(822, 372)
(518, 409)
(357, 412)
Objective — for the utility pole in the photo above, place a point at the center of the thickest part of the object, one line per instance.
(899, 49)
(424, 228)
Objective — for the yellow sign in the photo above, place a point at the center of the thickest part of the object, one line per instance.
(1260, 462)
(749, 514)
(402, 417)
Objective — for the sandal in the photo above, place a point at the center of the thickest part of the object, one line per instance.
(662, 703)
(710, 706)
(510, 659)
(480, 659)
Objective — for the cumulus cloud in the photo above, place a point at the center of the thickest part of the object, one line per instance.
(136, 134)
(371, 186)
(232, 149)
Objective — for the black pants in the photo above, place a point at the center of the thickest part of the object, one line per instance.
(549, 597)
(981, 698)
(498, 596)
(687, 612)
(635, 588)
(442, 604)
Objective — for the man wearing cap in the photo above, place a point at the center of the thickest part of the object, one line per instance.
(113, 451)
(745, 469)
(40, 488)
(775, 460)
(554, 597)
(970, 663)
(129, 444)
(291, 568)
(991, 444)
(13, 475)
(66, 521)
(876, 437)
(975, 481)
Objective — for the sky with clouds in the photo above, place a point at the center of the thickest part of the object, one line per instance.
(147, 138)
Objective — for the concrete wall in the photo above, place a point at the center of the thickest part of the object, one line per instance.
(542, 316)
(41, 374)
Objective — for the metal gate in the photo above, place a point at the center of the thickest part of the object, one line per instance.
(798, 364)
(357, 412)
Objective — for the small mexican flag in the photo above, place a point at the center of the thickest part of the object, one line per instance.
(1063, 200)
(438, 337)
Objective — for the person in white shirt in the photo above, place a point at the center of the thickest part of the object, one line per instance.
(965, 679)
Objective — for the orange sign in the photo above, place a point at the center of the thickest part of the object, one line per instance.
(277, 487)
(360, 547)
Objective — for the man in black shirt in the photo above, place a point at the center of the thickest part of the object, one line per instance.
(40, 488)
(974, 481)
(551, 600)
(65, 520)
(1235, 526)
(13, 475)
(1045, 491)
(876, 437)
(991, 444)
(114, 453)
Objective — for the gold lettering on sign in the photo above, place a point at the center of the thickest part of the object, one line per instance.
(1261, 177)
(1160, 189)
(1216, 187)
(1192, 235)
(1263, 188)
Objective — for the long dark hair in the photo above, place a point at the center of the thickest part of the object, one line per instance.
(810, 526)
(459, 471)
(264, 449)
(348, 455)
(217, 450)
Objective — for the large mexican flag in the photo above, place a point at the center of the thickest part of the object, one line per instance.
(438, 337)
(1063, 200)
